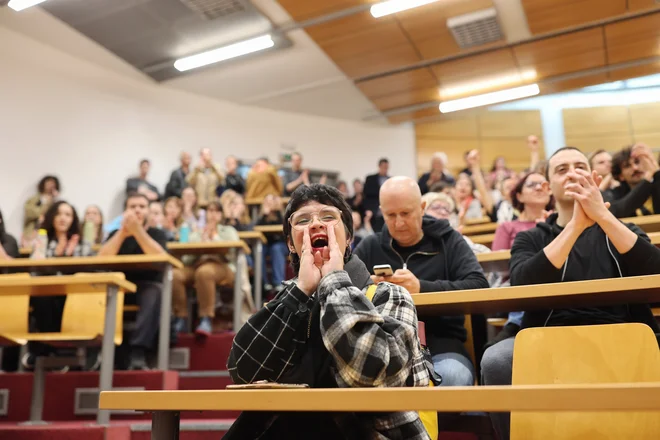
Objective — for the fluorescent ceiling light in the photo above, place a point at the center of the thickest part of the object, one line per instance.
(224, 53)
(19, 5)
(491, 83)
(394, 6)
(489, 98)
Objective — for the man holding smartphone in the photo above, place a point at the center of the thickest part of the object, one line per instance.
(425, 255)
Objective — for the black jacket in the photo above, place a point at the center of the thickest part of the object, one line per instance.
(371, 194)
(234, 182)
(423, 181)
(447, 264)
(176, 184)
(626, 202)
(10, 245)
(593, 257)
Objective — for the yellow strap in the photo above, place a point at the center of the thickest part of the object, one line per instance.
(371, 291)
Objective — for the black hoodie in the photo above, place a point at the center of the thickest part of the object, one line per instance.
(626, 202)
(592, 257)
(445, 263)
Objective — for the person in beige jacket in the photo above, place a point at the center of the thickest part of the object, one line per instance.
(36, 206)
(263, 180)
(205, 178)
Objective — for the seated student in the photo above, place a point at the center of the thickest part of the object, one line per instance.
(235, 211)
(638, 172)
(173, 209)
(204, 272)
(48, 190)
(8, 244)
(426, 255)
(582, 241)
(191, 213)
(93, 216)
(323, 331)
(63, 231)
(134, 238)
(156, 219)
(601, 162)
(271, 214)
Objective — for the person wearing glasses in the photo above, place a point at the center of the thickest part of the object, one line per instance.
(323, 331)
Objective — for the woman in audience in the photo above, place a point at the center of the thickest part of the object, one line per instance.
(472, 197)
(204, 272)
(36, 206)
(190, 212)
(236, 212)
(347, 340)
(361, 228)
(94, 216)
(271, 214)
(499, 171)
(173, 210)
(355, 202)
(503, 211)
(8, 245)
(63, 231)
(342, 187)
(531, 197)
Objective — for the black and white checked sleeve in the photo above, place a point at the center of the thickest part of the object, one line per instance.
(373, 344)
(272, 340)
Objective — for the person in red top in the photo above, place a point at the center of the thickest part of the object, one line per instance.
(531, 197)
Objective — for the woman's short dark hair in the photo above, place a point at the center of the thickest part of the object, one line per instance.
(325, 195)
(517, 204)
(49, 221)
(41, 186)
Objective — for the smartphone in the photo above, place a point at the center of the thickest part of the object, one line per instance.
(383, 270)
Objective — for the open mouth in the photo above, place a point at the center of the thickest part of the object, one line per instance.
(319, 241)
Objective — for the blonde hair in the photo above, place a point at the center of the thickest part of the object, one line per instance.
(432, 197)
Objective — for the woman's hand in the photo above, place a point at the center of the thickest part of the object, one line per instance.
(309, 274)
(333, 258)
(71, 245)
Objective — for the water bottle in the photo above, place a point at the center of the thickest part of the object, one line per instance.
(40, 245)
(184, 233)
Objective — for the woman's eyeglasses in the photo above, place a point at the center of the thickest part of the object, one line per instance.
(533, 185)
(327, 216)
(440, 209)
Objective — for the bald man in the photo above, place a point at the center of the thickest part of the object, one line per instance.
(426, 255)
(177, 181)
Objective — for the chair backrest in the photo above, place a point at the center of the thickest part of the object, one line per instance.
(84, 314)
(14, 311)
(615, 353)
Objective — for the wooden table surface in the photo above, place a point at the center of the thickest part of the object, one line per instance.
(574, 397)
(649, 223)
(209, 247)
(252, 235)
(269, 229)
(592, 293)
(484, 228)
(118, 262)
(485, 239)
(64, 284)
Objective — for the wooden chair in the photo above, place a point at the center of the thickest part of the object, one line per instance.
(587, 354)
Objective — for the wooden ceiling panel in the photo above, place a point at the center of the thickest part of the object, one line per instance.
(634, 72)
(563, 54)
(639, 5)
(633, 39)
(573, 84)
(398, 83)
(476, 66)
(301, 10)
(404, 99)
(549, 15)
(346, 27)
(377, 61)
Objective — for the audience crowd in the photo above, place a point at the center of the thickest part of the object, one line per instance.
(558, 217)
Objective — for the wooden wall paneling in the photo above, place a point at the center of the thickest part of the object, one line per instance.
(574, 83)
(589, 144)
(301, 10)
(638, 5)
(454, 148)
(449, 128)
(650, 139)
(645, 118)
(514, 150)
(549, 15)
(510, 124)
(417, 114)
(563, 54)
(633, 39)
(596, 122)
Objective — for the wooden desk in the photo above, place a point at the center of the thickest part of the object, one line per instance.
(111, 283)
(255, 203)
(592, 293)
(257, 240)
(120, 263)
(497, 261)
(484, 228)
(485, 239)
(166, 405)
(218, 247)
(649, 223)
(269, 229)
(477, 221)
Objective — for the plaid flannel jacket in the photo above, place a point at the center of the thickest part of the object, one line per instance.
(372, 344)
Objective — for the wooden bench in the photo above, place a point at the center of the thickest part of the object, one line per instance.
(269, 229)
(92, 313)
(165, 406)
(483, 228)
(485, 239)
(119, 263)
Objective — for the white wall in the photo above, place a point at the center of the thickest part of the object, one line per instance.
(91, 126)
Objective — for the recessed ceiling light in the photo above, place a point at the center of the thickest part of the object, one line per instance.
(394, 6)
(224, 53)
